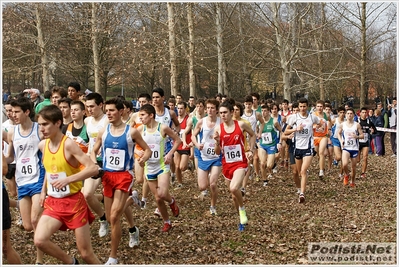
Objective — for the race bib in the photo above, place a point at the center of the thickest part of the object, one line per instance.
(208, 151)
(233, 153)
(115, 159)
(55, 192)
(267, 138)
(27, 169)
(155, 156)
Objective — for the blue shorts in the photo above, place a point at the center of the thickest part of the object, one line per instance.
(335, 142)
(206, 165)
(154, 177)
(270, 150)
(352, 153)
(301, 153)
(29, 190)
(197, 152)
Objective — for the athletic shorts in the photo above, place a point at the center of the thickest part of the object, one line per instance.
(183, 152)
(206, 165)
(6, 211)
(229, 169)
(335, 142)
(301, 153)
(29, 190)
(72, 211)
(363, 145)
(270, 150)
(116, 181)
(352, 153)
(317, 140)
(197, 152)
(154, 177)
(11, 171)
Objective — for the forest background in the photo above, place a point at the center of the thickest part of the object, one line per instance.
(323, 50)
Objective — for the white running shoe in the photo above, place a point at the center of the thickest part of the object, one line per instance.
(157, 212)
(212, 211)
(103, 228)
(111, 261)
(135, 198)
(321, 173)
(134, 238)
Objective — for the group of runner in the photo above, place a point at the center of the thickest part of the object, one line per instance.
(57, 160)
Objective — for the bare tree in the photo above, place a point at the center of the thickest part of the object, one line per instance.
(172, 49)
(191, 48)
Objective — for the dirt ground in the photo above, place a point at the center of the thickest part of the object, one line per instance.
(278, 231)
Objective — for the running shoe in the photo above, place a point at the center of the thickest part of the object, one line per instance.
(321, 174)
(143, 204)
(174, 208)
(103, 231)
(265, 182)
(134, 238)
(111, 261)
(157, 212)
(166, 227)
(243, 217)
(241, 227)
(352, 185)
(363, 175)
(298, 191)
(135, 198)
(212, 211)
(335, 163)
(301, 198)
(243, 191)
(346, 179)
(179, 186)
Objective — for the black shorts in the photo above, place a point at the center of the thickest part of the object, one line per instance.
(292, 158)
(301, 153)
(6, 211)
(184, 152)
(362, 145)
(11, 171)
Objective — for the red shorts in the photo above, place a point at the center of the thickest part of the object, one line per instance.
(72, 211)
(116, 180)
(229, 169)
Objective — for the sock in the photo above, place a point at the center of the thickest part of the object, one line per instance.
(173, 200)
(144, 199)
(242, 208)
(102, 218)
(168, 222)
(132, 230)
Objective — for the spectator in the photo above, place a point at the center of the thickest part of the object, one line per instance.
(46, 101)
(385, 125)
(393, 117)
(378, 121)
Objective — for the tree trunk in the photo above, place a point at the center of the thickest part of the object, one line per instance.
(172, 49)
(191, 47)
(219, 40)
(363, 56)
(281, 46)
(96, 54)
(43, 51)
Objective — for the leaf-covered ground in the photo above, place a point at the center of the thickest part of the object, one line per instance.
(278, 231)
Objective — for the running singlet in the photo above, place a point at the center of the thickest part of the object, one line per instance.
(303, 139)
(335, 128)
(29, 168)
(82, 139)
(157, 143)
(206, 138)
(269, 134)
(117, 151)
(165, 119)
(232, 145)
(350, 143)
(183, 125)
(252, 119)
(323, 130)
(57, 167)
(366, 128)
(92, 132)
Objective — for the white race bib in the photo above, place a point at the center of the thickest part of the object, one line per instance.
(233, 153)
(208, 151)
(267, 138)
(156, 151)
(27, 168)
(55, 192)
(115, 159)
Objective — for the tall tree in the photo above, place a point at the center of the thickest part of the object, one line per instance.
(172, 49)
(191, 48)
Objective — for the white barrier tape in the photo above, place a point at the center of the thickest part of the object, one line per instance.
(386, 129)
